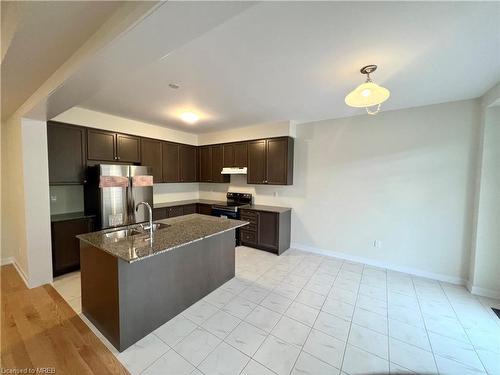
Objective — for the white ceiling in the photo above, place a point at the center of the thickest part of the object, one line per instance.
(296, 61)
(38, 37)
(273, 61)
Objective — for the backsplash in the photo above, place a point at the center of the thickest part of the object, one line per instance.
(175, 192)
(65, 199)
(262, 194)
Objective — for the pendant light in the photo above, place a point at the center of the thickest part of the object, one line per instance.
(368, 94)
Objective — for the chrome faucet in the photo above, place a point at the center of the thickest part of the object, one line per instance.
(150, 218)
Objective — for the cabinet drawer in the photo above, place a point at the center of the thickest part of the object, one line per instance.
(248, 236)
(251, 217)
(250, 227)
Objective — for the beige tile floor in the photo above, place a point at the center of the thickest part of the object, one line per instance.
(302, 314)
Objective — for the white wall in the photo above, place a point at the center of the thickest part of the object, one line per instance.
(277, 129)
(13, 219)
(486, 262)
(403, 177)
(25, 200)
(36, 202)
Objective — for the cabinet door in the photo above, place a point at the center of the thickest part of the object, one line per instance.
(152, 157)
(170, 157)
(66, 150)
(65, 245)
(256, 173)
(205, 164)
(128, 148)
(228, 155)
(187, 163)
(204, 209)
(101, 145)
(189, 209)
(159, 213)
(175, 211)
(217, 165)
(277, 158)
(268, 229)
(240, 154)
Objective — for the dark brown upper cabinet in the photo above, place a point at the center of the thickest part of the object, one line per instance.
(217, 165)
(205, 164)
(152, 157)
(171, 162)
(101, 145)
(66, 151)
(128, 148)
(211, 160)
(256, 173)
(235, 154)
(108, 146)
(270, 161)
(187, 155)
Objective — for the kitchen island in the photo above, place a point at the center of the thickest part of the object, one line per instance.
(132, 285)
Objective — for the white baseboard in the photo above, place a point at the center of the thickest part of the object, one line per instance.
(8, 260)
(483, 292)
(377, 263)
(21, 273)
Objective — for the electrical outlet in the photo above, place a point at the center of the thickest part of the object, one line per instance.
(377, 244)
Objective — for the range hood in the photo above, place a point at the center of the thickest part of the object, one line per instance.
(234, 170)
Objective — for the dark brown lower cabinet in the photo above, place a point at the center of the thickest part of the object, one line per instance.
(268, 230)
(204, 209)
(65, 245)
(160, 213)
(167, 212)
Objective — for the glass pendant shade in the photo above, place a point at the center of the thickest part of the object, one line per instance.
(367, 94)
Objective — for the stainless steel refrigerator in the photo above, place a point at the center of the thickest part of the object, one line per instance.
(114, 206)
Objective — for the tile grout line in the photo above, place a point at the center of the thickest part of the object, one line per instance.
(388, 322)
(425, 325)
(352, 318)
(461, 325)
(269, 334)
(320, 310)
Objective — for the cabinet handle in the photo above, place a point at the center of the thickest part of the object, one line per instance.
(117, 158)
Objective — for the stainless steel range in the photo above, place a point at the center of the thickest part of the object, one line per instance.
(234, 202)
(231, 209)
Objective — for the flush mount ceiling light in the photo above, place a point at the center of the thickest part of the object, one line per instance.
(189, 117)
(368, 94)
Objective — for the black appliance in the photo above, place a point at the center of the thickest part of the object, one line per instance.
(234, 202)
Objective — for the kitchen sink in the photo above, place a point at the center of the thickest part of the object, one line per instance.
(124, 232)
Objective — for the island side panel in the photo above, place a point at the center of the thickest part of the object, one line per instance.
(154, 290)
(99, 288)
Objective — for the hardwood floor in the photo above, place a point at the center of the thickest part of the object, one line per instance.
(39, 329)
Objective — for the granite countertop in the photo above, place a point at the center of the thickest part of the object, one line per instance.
(69, 216)
(257, 207)
(185, 202)
(260, 207)
(183, 230)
